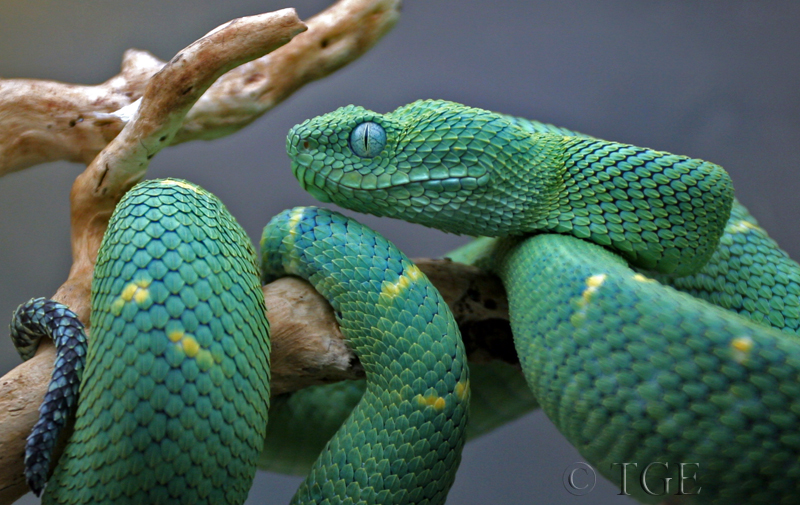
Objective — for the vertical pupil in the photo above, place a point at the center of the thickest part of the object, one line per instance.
(366, 138)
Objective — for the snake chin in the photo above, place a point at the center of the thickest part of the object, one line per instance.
(319, 194)
(299, 170)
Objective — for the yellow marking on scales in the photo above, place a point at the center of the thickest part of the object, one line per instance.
(592, 284)
(742, 226)
(741, 347)
(431, 400)
(294, 219)
(641, 278)
(411, 274)
(116, 307)
(205, 360)
(136, 290)
(175, 336)
(293, 265)
(128, 292)
(180, 184)
(141, 295)
(191, 347)
(462, 390)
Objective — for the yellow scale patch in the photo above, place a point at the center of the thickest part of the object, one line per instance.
(462, 390)
(593, 283)
(137, 291)
(191, 347)
(410, 275)
(642, 278)
(432, 400)
(742, 226)
(740, 348)
(180, 184)
(293, 266)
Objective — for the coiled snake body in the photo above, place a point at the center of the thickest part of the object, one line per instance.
(173, 401)
(629, 369)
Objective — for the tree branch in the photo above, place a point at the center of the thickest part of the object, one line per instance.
(44, 121)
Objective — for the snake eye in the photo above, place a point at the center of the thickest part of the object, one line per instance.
(368, 139)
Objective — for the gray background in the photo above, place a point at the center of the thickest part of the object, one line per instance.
(716, 80)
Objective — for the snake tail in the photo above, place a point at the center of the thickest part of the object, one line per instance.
(34, 319)
(174, 398)
(467, 170)
(403, 441)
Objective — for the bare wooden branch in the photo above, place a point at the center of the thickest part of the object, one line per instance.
(308, 349)
(167, 98)
(43, 121)
(169, 95)
(335, 37)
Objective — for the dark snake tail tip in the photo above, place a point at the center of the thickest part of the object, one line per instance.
(33, 320)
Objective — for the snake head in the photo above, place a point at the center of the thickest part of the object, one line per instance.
(340, 155)
(432, 162)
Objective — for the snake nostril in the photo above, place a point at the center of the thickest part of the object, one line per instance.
(306, 145)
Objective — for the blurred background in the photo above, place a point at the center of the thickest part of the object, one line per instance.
(714, 80)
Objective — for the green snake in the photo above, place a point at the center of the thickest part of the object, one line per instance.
(173, 398)
(629, 369)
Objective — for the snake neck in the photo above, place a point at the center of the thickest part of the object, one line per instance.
(470, 171)
(660, 211)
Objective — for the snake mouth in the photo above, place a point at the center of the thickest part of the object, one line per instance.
(305, 176)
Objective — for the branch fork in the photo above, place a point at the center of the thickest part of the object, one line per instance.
(215, 86)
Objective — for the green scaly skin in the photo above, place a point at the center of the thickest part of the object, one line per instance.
(301, 423)
(174, 398)
(402, 443)
(173, 403)
(466, 170)
(629, 369)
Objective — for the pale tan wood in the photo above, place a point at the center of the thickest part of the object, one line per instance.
(43, 121)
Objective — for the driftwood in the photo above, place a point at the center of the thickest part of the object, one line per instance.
(213, 87)
(43, 121)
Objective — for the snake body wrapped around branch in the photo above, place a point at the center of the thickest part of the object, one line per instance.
(173, 401)
(629, 369)
(173, 398)
(174, 395)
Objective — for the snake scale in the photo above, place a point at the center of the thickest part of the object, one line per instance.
(653, 319)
